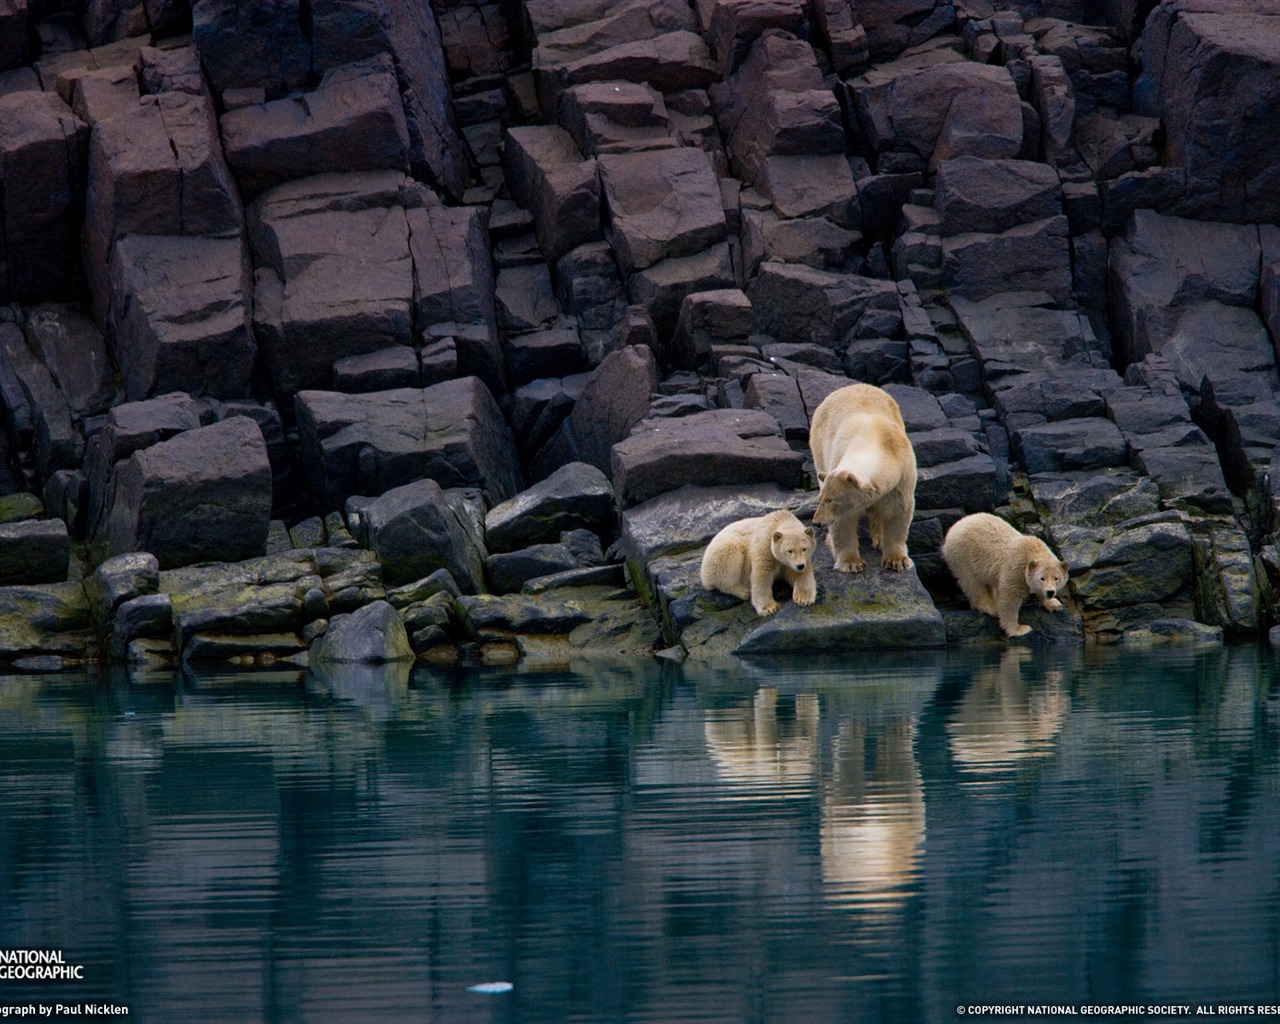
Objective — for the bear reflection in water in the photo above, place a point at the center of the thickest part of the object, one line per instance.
(872, 798)
(1004, 720)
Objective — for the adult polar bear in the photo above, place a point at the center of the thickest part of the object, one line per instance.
(866, 465)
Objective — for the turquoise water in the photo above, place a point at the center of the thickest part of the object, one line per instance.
(880, 840)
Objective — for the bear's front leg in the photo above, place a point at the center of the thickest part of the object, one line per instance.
(1008, 615)
(804, 588)
(762, 590)
(842, 539)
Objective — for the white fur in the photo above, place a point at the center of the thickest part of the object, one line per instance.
(998, 568)
(746, 557)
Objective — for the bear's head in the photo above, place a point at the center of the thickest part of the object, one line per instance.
(841, 494)
(1046, 577)
(793, 547)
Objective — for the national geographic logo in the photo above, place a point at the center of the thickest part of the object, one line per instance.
(37, 965)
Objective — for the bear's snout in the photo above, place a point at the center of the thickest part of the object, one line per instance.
(800, 567)
(1049, 592)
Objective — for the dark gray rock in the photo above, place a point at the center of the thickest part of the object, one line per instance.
(452, 433)
(661, 203)
(662, 287)
(995, 195)
(180, 316)
(42, 146)
(416, 530)
(278, 46)
(670, 62)
(710, 448)
(904, 109)
(155, 168)
(548, 176)
(146, 617)
(1091, 443)
(509, 571)
(707, 319)
(384, 370)
(335, 274)
(576, 496)
(374, 633)
(352, 121)
(614, 399)
(1186, 50)
(204, 495)
(971, 483)
(36, 414)
(454, 284)
(540, 354)
(1037, 255)
(75, 353)
(34, 551)
(803, 304)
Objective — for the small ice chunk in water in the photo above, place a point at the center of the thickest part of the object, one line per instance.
(491, 988)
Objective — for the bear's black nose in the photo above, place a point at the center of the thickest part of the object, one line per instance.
(1048, 593)
(800, 567)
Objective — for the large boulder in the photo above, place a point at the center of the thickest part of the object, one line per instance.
(452, 433)
(903, 111)
(180, 316)
(416, 530)
(156, 167)
(615, 397)
(548, 176)
(575, 496)
(717, 447)
(34, 551)
(42, 166)
(335, 274)
(279, 44)
(374, 633)
(352, 121)
(1163, 265)
(802, 304)
(204, 495)
(663, 202)
(1211, 72)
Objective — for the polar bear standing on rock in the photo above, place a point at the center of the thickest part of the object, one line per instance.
(866, 465)
(997, 568)
(746, 557)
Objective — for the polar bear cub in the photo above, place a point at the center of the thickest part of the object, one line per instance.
(746, 557)
(997, 568)
(866, 465)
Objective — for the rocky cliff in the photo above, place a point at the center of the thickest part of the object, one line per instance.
(478, 319)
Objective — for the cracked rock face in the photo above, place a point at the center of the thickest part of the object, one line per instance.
(458, 307)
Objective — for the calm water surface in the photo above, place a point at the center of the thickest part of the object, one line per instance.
(879, 840)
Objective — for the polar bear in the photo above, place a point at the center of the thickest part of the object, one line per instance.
(865, 465)
(746, 557)
(997, 568)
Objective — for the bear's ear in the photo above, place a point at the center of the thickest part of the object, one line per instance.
(777, 535)
(1064, 567)
(822, 479)
(849, 477)
(808, 532)
(1031, 566)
